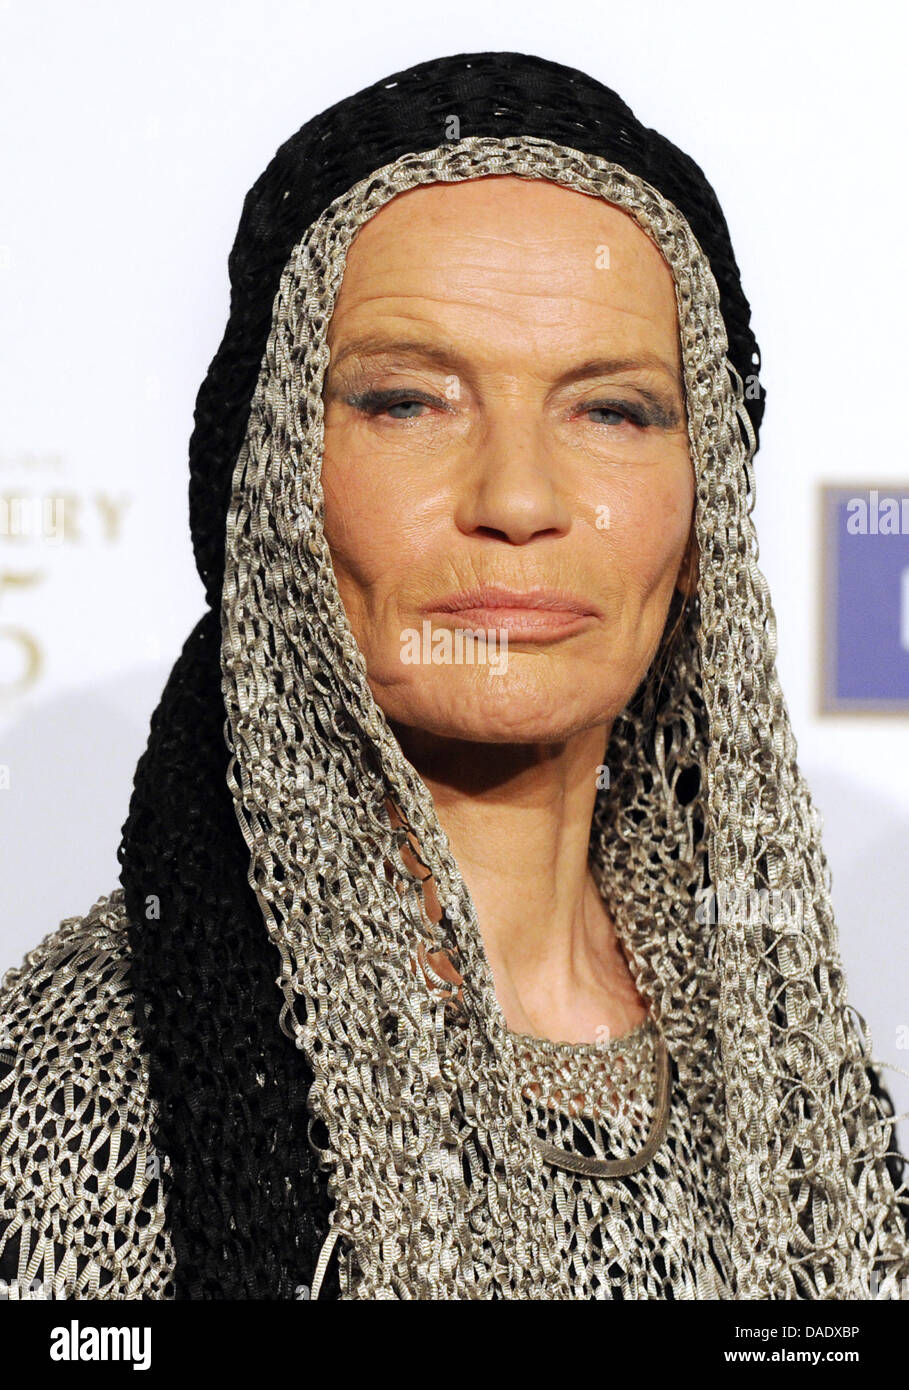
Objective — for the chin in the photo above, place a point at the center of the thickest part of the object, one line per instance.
(492, 709)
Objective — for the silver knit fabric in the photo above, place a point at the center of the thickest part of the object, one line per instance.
(772, 1182)
(94, 1225)
(663, 1232)
(82, 1212)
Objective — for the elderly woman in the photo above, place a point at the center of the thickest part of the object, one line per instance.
(474, 937)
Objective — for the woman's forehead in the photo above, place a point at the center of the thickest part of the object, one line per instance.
(537, 217)
(506, 255)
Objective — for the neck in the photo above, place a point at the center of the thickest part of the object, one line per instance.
(518, 819)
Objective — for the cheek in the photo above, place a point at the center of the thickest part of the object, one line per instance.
(383, 525)
(359, 517)
(649, 526)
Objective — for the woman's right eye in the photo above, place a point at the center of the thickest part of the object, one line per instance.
(380, 402)
(404, 405)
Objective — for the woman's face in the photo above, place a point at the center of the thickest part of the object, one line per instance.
(504, 411)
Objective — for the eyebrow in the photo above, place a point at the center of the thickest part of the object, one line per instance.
(378, 346)
(665, 410)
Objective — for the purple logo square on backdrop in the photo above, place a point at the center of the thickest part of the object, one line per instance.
(866, 599)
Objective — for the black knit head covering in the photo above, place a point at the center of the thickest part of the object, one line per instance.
(247, 1207)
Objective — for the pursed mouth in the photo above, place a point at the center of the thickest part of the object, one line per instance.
(517, 624)
(506, 603)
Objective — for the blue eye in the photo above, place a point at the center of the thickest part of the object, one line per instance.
(380, 402)
(617, 409)
(404, 405)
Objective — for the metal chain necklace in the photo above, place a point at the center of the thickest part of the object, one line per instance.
(591, 1167)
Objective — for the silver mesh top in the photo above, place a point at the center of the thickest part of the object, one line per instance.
(89, 1218)
(663, 1232)
(81, 1205)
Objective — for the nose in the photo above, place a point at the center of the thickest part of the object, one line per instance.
(511, 489)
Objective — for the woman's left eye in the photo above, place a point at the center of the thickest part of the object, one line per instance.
(620, 414)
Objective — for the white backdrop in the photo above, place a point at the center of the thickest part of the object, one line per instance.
(130, 137)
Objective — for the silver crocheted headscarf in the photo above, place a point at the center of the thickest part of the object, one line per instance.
(720, 898)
